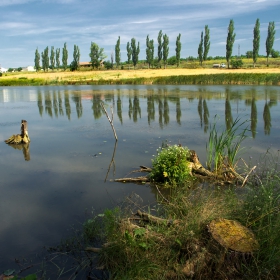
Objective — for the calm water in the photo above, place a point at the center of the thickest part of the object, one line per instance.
(72, 145)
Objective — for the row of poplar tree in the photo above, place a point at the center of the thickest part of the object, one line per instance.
(133, 49)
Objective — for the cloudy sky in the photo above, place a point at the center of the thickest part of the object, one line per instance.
(28, 24)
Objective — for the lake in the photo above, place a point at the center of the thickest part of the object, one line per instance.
(69, 167)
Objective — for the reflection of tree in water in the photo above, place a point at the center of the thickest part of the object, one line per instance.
(136, 108)
(178, 110)
(48, 104)
(151, 108)
(228, 115)
(205, 116)
(166, 111)
(160, 112)
(67, 105)
(130, 109)
(96, 107)
(199, 109)
(78, 102)
(254, 117)
(61, 113)
(267, 119)
(119, 108)
(40, 103)
(55, 104)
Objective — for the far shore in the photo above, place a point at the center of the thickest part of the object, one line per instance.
(115, 74)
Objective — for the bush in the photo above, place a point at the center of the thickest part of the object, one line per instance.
(171, 165)
(236, 63)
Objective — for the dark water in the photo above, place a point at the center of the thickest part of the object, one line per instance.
(72, 145)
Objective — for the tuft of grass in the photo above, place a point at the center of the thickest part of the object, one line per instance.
(223, 147)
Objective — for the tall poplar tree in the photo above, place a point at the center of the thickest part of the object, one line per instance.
(206, 42)
(270, 39)
(135, 51)
(52, 58)
(178, 49)
(149, 51)
(76, 59)
(256, 41)
(129, 52)
(45, 59)
(165, 49)
(200, 49)
(160, 46)
(37, 60)
(57, 57)
(118, 53)
(64, 56)
(230, 41)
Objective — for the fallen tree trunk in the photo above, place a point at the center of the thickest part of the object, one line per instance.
(22, 138)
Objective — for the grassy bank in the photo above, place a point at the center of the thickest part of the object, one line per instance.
(220, 78)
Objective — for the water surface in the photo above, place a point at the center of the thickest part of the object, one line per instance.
(66, 171)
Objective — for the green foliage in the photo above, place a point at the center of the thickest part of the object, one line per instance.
(45, 59)
(206, 42)
(159, 39)
(36, 60)
(149, 51)
(129, 52)
(64, 56)
(76, 59)
(275, 54)
(236, 63)
(172, 60)
(256, 41)
(118, 52)
(230, 40)
(165, 49)
(249, 54)
(178, 49)
(57, 59)
(200, 49)
(270, 39)
(52, 58)
(96, 55)
(222, 148)
(171, 165)
(135, 51)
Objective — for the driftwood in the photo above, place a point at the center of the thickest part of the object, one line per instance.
(21, 138)
(228, 175)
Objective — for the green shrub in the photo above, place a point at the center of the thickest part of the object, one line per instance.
(171, 165)
(236, 63)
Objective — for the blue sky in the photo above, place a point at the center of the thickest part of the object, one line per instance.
(28, 24)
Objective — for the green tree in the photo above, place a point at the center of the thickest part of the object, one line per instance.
(149, 51)
(129, 53)
(178, 49)
(37, 60)
(275, 54)
(165, 49)
(256, 42)
(118, 52)
(160, 47)
(135, 51)
(230, 41)
(249, 54)
(52, 58)
(76, 59)
(64, 56)
(270, 39)
(206, 42)
(200, 49)
(57, 59)
(96, 55)
(45, 59)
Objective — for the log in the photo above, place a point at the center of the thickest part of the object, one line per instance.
(22, 138)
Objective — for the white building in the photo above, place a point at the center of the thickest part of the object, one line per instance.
(3, 70)
(29, 69)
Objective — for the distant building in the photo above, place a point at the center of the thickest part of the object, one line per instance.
(3, 70)
(29, 69)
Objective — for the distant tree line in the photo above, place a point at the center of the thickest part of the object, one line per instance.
(45, 62)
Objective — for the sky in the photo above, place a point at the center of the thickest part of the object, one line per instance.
(26, 25)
